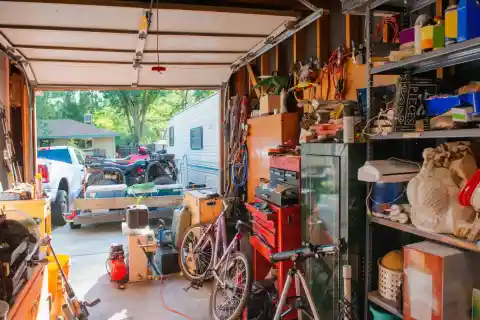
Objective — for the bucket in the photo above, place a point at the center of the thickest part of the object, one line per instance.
(384, 194)
(381, 315)
(4, 307)
(54, 285)
(54, 272)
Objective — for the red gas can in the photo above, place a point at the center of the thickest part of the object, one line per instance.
(116, 264)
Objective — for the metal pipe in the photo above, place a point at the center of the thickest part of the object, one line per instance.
(275, 38)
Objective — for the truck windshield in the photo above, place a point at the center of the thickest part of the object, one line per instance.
(55, 154)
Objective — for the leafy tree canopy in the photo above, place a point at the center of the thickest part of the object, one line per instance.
(139, 116)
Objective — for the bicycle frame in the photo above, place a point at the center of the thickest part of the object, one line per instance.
(220, 235)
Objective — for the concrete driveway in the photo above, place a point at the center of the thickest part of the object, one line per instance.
(88, 248)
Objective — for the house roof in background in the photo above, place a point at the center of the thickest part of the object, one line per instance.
(70, 129)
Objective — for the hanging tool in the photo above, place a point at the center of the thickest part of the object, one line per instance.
(9, 157)
(73, 309)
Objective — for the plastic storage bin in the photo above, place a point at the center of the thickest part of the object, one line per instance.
(439, 105)
(471, 98)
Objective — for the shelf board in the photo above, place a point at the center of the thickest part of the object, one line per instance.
(386, 304)
(447, 239)
(391, 6)
(454, 54)
(433, 134)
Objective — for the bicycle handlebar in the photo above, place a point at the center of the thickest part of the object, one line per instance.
(308, 252)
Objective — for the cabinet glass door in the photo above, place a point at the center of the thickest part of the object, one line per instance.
(321, 225)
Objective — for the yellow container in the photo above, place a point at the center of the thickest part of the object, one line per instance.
(54, 272)
(55, 284)
(427, 38)
(451, 24)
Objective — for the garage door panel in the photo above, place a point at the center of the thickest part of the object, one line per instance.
(75, 39)
(78, 39)
(35, 53)
(60, 73)
(122, 18)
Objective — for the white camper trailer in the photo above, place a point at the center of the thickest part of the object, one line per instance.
(194, 138)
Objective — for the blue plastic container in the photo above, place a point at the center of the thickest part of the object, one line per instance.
(439, 105)
(386, 194)
(471, 98)
(468, 20)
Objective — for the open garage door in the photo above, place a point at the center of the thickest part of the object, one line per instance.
(78, 45)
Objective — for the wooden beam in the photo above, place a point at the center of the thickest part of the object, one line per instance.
(439, 13)
(80, 87)
(299, 46)
(264, 64)
(124, 31)
(240, 82)
(352, 30)
(171, 6)
(277, 57)
(26, 136)
(83, 49)
(253, 79)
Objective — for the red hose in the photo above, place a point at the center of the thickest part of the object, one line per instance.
(164, 305)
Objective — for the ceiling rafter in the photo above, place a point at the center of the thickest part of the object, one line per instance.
(130, 62)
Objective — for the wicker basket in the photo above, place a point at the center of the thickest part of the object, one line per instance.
(389, 282)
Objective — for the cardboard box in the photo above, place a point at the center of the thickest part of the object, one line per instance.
(268, 103)
(203, 208)
(438, 282)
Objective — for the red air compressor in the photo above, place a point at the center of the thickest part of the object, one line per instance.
(117, 268)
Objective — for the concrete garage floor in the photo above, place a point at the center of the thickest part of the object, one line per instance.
(88, 248)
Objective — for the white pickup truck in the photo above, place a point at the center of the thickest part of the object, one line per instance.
(63, 171)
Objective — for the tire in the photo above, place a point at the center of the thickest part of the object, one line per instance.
(59, 207)
(99, 180)
(194, 232)
(163, 180)
(241, 259)
(74, 226)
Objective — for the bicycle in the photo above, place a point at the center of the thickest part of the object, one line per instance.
(199, 261)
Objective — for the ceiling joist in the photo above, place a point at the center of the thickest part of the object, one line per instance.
(128, 50)
(129, 62)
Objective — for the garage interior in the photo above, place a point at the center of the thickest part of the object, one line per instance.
(339, 122)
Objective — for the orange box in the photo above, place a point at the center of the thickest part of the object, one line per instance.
(268, 103)
(438, 282)
(203, 208)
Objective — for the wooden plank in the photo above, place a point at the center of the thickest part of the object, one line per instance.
(26, 136)
(299, 43)
(68, 48)
(388, 305)
(264, 64)
(253, 79)
(439, 13)
(122, 203)
(443, 238)
(240, 83)
(277, 57)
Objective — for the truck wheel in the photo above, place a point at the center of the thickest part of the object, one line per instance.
(74, 226)
(59, 207)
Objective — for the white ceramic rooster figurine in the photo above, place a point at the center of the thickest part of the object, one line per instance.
(433, 193)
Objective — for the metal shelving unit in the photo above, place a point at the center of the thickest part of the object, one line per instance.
(388, 5)
(463, 52)
(454, 54)
(434, 134)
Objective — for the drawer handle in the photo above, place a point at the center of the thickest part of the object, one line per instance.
(211, 203)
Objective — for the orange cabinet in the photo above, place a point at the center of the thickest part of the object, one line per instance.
(265, 133)
(203, 207)
(32, 303)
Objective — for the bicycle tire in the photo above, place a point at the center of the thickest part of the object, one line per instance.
(183, 263)
(237, 314)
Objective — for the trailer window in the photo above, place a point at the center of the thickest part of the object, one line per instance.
(171, 136)
(196, 138)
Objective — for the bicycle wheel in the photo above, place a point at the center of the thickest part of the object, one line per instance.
(195, 265)
(228, 302)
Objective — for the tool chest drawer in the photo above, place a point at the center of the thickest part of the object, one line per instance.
(266, 230)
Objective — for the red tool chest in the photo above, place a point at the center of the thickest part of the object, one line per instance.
(280, 226)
